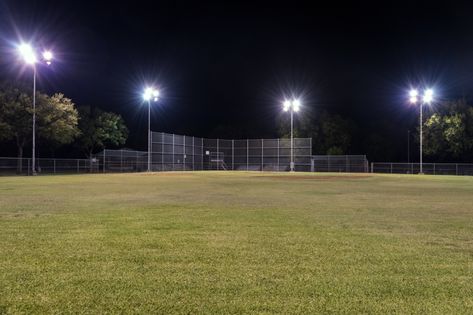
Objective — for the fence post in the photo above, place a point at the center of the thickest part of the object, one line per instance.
(184, 155)
(434, 168)
(456, 168)
(262, 154)
(247, 153)
(28, 166)
(218, 157)
(103, 166)
(162, 151)
(233, 154)
(193, 152)
(372, 167)
(54, 166)
(278, 154)
(391, 167)
(121, 160)
(173, 152)
(77, 165)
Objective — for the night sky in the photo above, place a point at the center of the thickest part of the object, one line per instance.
(229, 66)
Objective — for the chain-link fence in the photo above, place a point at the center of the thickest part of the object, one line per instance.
(340, 163)
(122, 161)
(427, 168)
(177, 152)
(17, 166)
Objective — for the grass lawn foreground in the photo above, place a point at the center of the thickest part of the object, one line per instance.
(236, 243)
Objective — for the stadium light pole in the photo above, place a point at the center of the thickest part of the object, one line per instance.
(148, 95)
(29, 57)
(292, 106)
(427, 98)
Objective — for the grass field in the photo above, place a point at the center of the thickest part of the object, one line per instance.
(216, 242)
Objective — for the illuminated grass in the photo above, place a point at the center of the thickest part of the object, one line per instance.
(236, 243)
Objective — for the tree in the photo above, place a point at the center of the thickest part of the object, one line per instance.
(99, 128)
(57, 119)
(15, 115)
(56, 116)
(448, 133)
(331, 134)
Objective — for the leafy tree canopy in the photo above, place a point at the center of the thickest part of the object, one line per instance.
(449, 131)
(100, 129)
(331, 134)
(56, 116)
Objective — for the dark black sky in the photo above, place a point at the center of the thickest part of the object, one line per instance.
(231, 64)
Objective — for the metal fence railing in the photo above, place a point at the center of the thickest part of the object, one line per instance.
(17, 166)
(170, 152)
(427, 168)
(340, 163)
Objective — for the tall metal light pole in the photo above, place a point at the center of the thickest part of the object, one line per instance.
(29, 57)
(427, 98)
(292, 106)
(148, 95)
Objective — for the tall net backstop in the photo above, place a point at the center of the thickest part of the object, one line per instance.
(178, 152)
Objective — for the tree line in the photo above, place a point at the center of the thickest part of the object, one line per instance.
(58, 121)
(447, 128)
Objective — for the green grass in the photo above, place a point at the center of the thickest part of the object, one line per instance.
(215, 243)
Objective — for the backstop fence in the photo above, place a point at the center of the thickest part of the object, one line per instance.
(178, 152)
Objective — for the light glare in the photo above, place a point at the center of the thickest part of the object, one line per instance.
(286, 105)
(147, 94)
(150, 93)
(27, 53)
(47, 55)
(296, 104)
(428, 95)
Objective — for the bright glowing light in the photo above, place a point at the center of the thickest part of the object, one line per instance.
(291, 105)
(48, 56)
(413, 93)
(413, 99)
(296, 104)
(155, 95)
(27, 53)
(428, 96)
(286, 105)
(148, 94)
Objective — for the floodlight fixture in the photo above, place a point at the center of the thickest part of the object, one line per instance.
(27, 53)
(428, 96)
(48, 56)
(296, 104)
